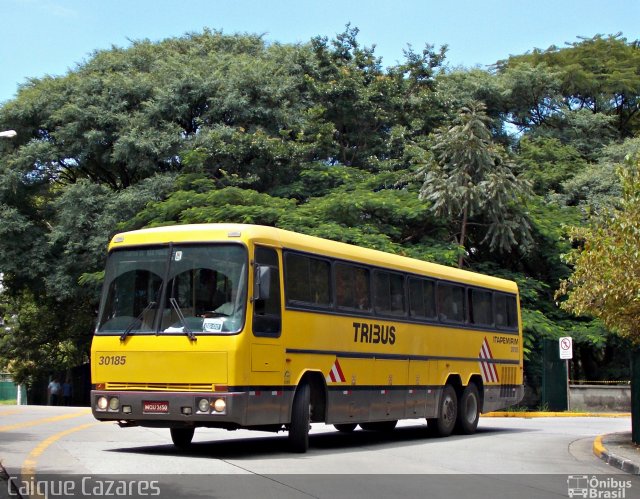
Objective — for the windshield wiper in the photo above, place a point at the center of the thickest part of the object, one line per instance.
(135, 322)
(187, 331)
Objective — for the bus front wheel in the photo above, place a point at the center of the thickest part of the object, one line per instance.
(444, 423)
(300, 419)
(469, 410)
(181, 437)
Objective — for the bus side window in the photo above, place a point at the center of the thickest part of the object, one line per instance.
(451, 303)
(353, 289)
(422, 298)
(267, 312)
(506, 311)
(307, 281)
(389, 293)
(481, 307)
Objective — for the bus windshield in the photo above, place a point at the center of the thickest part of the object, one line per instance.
(178, 289)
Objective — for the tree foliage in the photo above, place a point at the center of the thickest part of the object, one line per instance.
(471, 180)
(598, 75)
(318, 137)
(606, 279)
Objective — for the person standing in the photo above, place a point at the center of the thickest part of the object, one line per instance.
(67, 392)
(54, 389)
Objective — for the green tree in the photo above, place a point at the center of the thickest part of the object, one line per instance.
(606, 278)
(548, 163)
(462, 87)
(319, 137)
(472, 181)
(52, 278)
(597, 187)
(531, 92)
(598, 75)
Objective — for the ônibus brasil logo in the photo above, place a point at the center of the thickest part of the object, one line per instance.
(594, 487)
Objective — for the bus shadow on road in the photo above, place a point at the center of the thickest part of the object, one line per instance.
(265, 445)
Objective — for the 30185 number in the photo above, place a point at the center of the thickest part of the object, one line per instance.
(112, 360)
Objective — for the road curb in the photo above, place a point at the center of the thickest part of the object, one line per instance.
(612, 459)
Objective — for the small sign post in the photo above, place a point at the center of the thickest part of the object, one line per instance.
(566, 348)
(566, 353)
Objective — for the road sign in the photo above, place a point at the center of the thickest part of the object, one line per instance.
(566, 347)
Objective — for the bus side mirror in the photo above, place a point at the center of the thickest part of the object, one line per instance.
(262, 282)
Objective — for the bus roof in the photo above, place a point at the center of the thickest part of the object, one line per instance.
(280, 238)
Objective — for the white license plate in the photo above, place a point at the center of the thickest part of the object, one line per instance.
(154, 407)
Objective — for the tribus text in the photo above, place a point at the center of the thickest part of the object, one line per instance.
(373, 333)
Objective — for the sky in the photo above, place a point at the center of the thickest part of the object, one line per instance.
(51, 37)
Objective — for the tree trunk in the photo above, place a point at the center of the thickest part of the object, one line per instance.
(635, 395)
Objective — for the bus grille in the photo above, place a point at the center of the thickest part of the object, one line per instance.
(162, 387)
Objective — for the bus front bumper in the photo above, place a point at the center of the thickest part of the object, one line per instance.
(168, 408)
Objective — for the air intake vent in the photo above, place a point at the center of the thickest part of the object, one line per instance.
(508, 382)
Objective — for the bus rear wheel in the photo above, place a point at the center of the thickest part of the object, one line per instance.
(181, 437)
(468, 410)
(300, 419)
(444, 423)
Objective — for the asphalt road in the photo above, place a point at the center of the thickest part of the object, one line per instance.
(507, 457)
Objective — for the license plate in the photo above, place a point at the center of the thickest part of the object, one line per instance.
(155, 407)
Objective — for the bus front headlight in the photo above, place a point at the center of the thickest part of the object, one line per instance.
(203, 405)
(114, 403)
(219, 405)
(102, 403)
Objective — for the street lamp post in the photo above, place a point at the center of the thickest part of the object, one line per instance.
(8, 133)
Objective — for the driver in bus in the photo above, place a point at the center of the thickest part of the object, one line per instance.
(226, 309)
(209, 297)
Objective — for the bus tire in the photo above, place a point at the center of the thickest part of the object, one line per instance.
(379, 425)
(300, 419)
(181, 437)
(345, 427)
(445, 422)
(468, 410)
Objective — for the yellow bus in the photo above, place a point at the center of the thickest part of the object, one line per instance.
(244, 326)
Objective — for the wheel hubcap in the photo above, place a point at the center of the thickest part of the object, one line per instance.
(471, 409)
(449, 409)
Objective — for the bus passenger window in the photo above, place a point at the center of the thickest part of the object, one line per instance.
(307, 280)
(389, 293)
(481, 307)
(266, 312)
(451, 303)
(506, 311)
(352, 287)
(422, 298)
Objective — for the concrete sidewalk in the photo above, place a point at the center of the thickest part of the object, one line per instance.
(617, 449)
